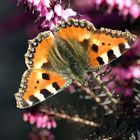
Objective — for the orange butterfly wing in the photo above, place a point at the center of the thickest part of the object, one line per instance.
(37, 85)
(38, 51)
(105, 45)
(78, 30)
(102, 45)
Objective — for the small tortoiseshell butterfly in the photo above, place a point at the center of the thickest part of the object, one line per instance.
(67, 53)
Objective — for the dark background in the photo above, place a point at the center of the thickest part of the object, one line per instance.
(13, 45)
(16, 27)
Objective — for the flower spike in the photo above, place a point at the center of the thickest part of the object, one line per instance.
(50, 11)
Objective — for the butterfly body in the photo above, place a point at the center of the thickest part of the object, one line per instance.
(67, 53)
(63, 60)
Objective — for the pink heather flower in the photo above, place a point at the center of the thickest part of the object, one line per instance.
(135, 11)
(98, 2)
(50, 11)
(26, 116)
(125, 7)
(58, 9)
(128, 92)
(135, 71)
(124, 90)
(32, 120)
(40, 120)
(71, 89)
(135, 50)
(124, 79)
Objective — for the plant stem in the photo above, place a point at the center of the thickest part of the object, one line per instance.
(75, 119)
(92, 95)
(100, 93)
(99, 81)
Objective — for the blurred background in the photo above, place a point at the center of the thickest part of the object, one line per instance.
(13, 27)
(16, 27)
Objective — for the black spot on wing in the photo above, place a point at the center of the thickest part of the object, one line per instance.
(121, 47)
(44, 65)
(85, 42)
(55, 85)
(95, 48)
(111, 55)
(103, 43)
(34, 99)
(47, 66)
(100, 60)
(45, 76)
(46, 93)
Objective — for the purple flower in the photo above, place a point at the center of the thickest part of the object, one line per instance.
(124, 79)
(71, 89)
(135, 71)
(125, 7)
(50, 11)
(135, 50)
(40, 120)
(135, 11)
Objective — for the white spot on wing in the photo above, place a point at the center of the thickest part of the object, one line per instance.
(51, 89)
(81, 38)
(39, 96)
(97, 42)
(116, 51)
(39, 75)
(29, 102)
(105, 58)
(40, 63)
(127, 46)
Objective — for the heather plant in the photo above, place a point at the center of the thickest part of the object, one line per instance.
(109, 107)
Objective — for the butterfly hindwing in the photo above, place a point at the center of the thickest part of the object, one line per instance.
(37, 85)
(38, 51)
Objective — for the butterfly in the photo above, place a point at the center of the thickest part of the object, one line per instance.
(68, 52)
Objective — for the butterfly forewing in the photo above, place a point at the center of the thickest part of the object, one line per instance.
(39, 49)
(105, 45)
(77, 30)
